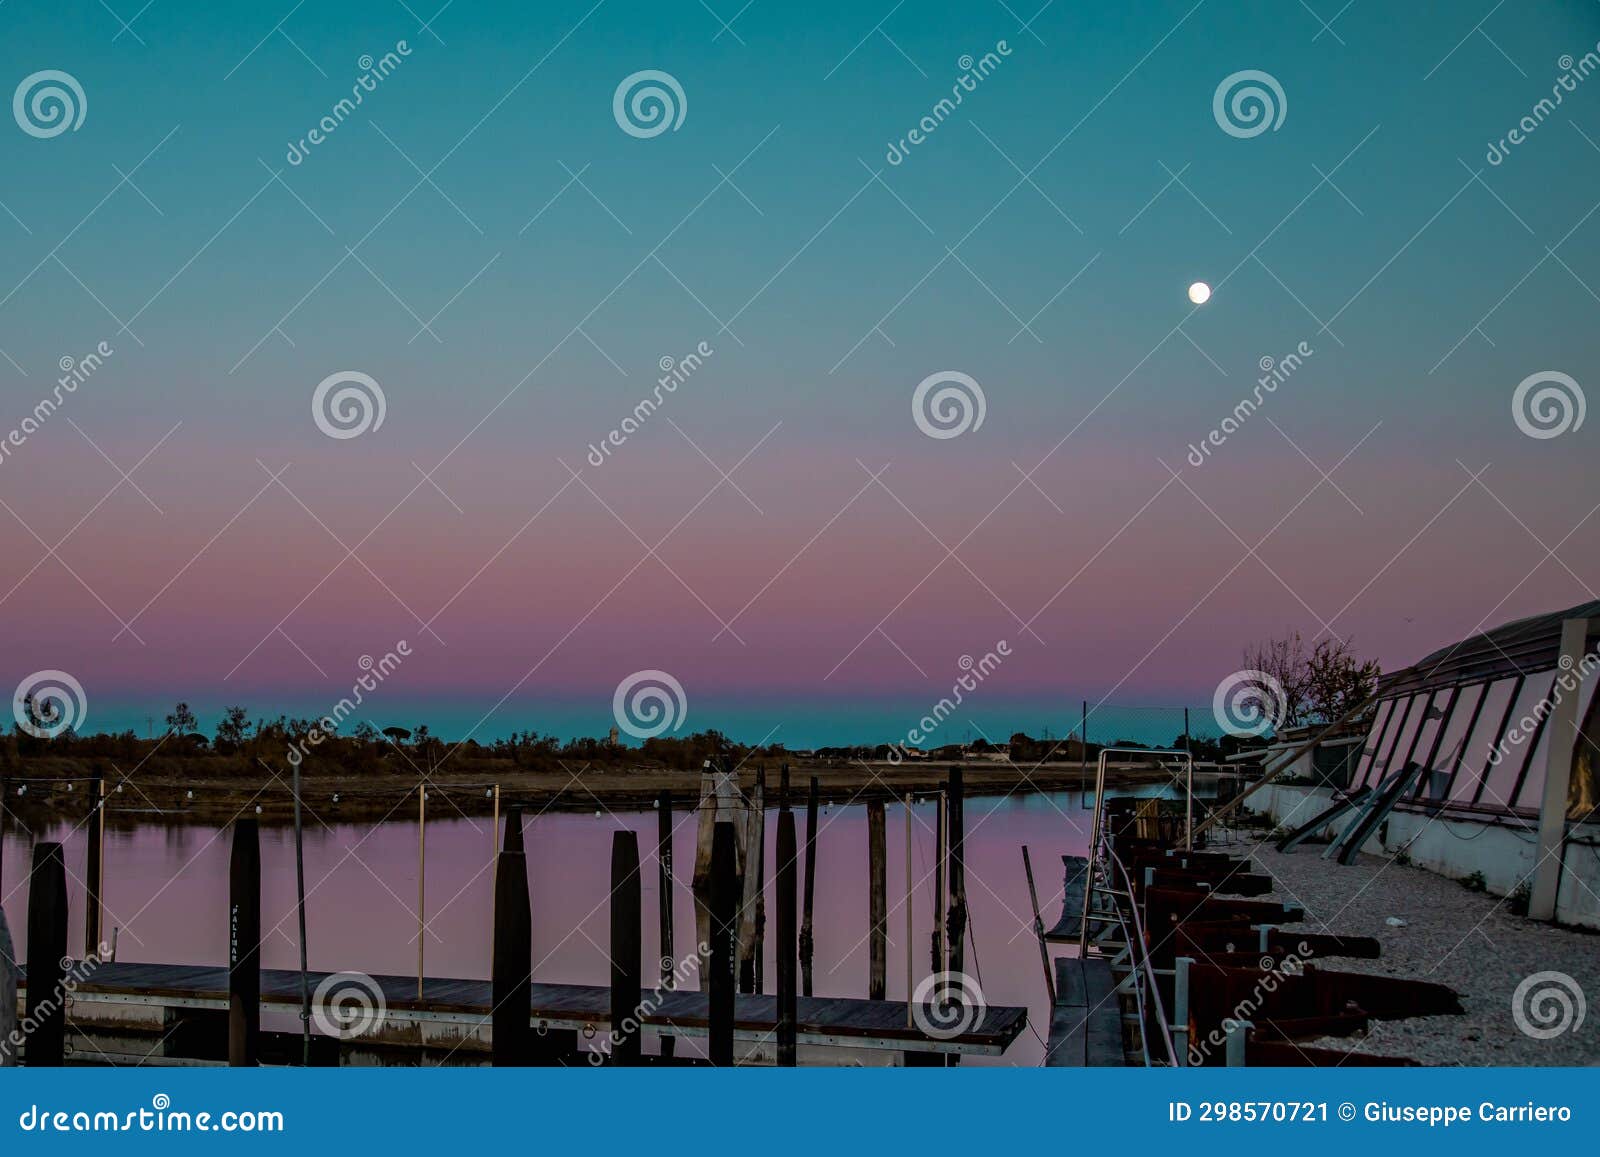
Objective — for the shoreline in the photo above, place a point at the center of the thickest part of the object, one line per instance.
(161, 796)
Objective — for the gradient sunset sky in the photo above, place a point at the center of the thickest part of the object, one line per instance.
(484, 240)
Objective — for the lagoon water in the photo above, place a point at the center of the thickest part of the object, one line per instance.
(166, 891)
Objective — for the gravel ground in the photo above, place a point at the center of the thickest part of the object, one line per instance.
(1466, 940)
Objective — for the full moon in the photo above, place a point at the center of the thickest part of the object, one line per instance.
(1199, 293)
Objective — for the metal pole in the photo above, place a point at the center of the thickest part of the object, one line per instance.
(300, 912)
(1094, 844)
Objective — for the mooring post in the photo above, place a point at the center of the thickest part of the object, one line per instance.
(300, 919)
(627, 953)
(244, 945)
(724, 927)
(664, 885)
(1038, 927)
(807, 944)
(956, 925)
(911, 983)
(47, 949)
(751, 905)
(877, 903)
(788, 955)
(514, 841)
(8, 995)
(94, 867)
(511, 976)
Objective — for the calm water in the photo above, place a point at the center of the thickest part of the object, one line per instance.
(166, 890)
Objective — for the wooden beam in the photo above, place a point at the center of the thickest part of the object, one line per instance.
(94, 868)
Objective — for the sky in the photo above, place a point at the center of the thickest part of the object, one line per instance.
(510, 260)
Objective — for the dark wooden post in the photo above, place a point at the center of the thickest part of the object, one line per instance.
(626, 951)
(513, 841)
(807, 943)
(512, 970)
(244, 944)
(788, 1010)
(664, 883)
(47, 948)
(724, 938)
(94, 868)
(877, 903)
(956, 924)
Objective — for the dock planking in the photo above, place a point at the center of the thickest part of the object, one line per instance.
(1086, 1022)
(819, 1020)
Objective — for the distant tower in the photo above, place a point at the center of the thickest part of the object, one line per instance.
(614, 736)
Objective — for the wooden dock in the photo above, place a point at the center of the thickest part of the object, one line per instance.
(1086, 1022)
(157, 994)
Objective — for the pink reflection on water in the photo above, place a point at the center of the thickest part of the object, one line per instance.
(166, 891)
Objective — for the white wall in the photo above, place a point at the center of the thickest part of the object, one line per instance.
(1455, 848)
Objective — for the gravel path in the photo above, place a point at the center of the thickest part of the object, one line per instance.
(1466, 940)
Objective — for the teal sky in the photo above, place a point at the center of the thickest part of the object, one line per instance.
(1040, 240)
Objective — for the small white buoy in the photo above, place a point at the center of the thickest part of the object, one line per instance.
(1395, 922)
(189, 794)
(258, 809)
(335, 797)
(1199, 293)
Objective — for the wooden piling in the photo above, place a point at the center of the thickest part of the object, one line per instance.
(8, 995)
(511, 974)
(422, 883)
(47, 948)
(724, 902)
(877, 903)
(956, 923)
(627, 953)
(788, 1003)
(94, 868)
(244, 945)
(514, 840)
(751, 904)
(807, 942)
(5, 794)
(664, 885)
